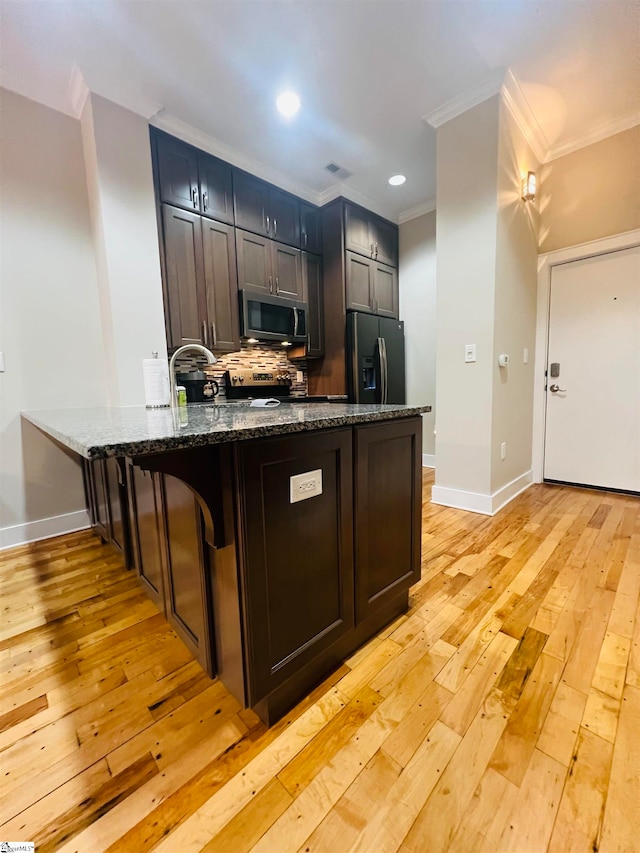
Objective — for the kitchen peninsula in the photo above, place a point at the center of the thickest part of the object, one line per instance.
(275, 541)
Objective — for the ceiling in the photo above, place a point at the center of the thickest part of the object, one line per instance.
(367, 71)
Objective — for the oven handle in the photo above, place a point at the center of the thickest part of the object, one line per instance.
(295, 322)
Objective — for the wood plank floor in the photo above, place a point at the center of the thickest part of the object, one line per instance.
(502, 713)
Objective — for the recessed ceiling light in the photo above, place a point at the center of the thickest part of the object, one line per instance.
(397, 180)
(288, 104)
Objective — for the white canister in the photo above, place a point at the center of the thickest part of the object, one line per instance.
(155, 372)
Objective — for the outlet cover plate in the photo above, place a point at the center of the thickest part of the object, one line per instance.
(304, 486)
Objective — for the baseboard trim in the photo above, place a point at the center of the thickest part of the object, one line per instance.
(33, 531)
(481, 503)
(428, 460)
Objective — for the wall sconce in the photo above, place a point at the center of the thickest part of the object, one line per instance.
(529, 187)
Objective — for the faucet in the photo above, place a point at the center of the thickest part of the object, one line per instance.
(211, 359)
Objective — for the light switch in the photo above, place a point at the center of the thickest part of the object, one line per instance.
(469, 353)
(525, 356)
(1, 362)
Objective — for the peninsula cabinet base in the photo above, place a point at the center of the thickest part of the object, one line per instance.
(272, 593)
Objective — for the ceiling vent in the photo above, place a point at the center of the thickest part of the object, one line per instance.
(338, 171)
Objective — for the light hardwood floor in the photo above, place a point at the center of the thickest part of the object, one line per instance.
(502, 713)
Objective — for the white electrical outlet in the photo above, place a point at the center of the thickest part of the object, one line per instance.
(299, 376)
(503, 450)
(303, 486)
(469, 353)
(525, 355)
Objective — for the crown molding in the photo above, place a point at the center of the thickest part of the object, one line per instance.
(600, 132)
(77, 92)
(345, 191)
(191, 134)
(516, 103)
(466, 100)
(427, 206)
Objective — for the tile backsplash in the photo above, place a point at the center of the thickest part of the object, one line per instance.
(263, 356)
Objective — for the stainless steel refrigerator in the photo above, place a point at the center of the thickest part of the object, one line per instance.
(375, 359)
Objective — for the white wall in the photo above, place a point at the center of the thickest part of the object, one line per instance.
(123, 212)
(49, 316)
(417, 274)
(467, 166)
(515, 308)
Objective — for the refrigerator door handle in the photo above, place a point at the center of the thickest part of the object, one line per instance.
(383, 369)
(354, 367)
(386, 372)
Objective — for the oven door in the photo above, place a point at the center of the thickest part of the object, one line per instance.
(270, 318)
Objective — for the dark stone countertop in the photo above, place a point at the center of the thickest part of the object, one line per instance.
(135, 430)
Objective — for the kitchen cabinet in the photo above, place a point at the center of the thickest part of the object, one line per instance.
(193, 180)
(371, 286)
(353, 280)
(310, 228)
(170, 556)
(312, 288)
(298, 556)
(268, 267)
(387, 512)
(370, 235)
(201, 285)
(266, 210)
(106, 497)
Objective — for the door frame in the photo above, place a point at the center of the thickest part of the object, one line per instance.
(546, 263)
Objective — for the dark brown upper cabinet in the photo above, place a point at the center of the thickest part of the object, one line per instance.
(194, 180)
(178, 173)
(265, 210)
(371, 286)
(371, 236)
(216, 188)
(221, 285)
(185, 296)
(267, 267)
(310, 229)
(312, 288)
(201, 283)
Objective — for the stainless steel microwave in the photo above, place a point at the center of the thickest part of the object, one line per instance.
(272, 318)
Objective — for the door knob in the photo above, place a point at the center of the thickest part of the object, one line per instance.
(555, 388)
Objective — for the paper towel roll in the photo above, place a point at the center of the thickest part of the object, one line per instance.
(155, 372)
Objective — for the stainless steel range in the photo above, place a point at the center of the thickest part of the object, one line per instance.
(249, 383)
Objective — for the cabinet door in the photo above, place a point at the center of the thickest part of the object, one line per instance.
(284, 217)
(100, 498)
(310, 229)
(144, 516)
(357, 231)
(216, 194)
(359, 282)
(254, 262)
(386, 242)
(185, 302)
(287, 271)
(186, 589)
(388, 510)
(221, 279)
(312, 288)
(178, 173)
(113, 478)
(385, 290)
(251, 196)
(299, 593)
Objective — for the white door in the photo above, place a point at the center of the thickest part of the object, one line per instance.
(593, 403)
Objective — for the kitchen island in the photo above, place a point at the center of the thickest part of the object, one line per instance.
(275, 541)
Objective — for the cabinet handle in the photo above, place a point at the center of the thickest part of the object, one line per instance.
(205, 334)
(205, 200)
(194, 197)
(276, 284)
(214, 336)
(275, 227)
(270, 284)
(267, 224)
(373, 249)
(376, 251)
(306, 239)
